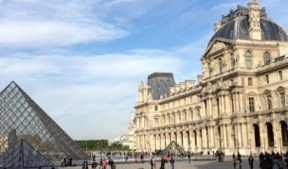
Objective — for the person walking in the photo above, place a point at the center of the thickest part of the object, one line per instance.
(85, 165)
(189, 157)
(251, 161)
(152, 162)
(172, 162)
(101, 163)
(94, 165)
(162, 163)
(105, 163)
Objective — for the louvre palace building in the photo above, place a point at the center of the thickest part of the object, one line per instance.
(239, 103)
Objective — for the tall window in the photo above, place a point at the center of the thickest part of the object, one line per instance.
(249, 60)
(267, 79)
(267, 58)
(282, 99)
(269, 101)
(220, 65)
(280, 75)
(251, 104)
(250, 82)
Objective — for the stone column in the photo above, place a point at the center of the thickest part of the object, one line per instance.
(223, 104)
(238, 136)
(208, 134)
(228, 105)
(211, 107)
(203, 109)
(229, 136)
(236, 103)
(203, 138)
(212, 139)
(239, 102)
(242, 106)
(277, 135)
(225, 136)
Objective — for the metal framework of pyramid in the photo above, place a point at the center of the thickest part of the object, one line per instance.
(174, 148)
(22, 118)
(23, 156)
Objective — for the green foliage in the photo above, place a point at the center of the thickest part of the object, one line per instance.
(93, 144)
(101, 145)
(118, 146)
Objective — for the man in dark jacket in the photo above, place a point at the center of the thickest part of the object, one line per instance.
(162, 163)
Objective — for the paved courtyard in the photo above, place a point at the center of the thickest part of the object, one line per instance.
(183, 165)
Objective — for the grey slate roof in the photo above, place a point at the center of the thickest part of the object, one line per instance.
(238, 28)
(160, 84)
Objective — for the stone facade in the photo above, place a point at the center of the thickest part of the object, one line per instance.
(240, 103)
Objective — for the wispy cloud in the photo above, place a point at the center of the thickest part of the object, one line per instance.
(87, 90)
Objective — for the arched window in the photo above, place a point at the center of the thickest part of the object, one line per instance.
(257, 135)
(249, 60)
(270, 134)
(267, 58)
(284, 133)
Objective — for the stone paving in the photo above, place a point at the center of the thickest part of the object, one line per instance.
(183, 165)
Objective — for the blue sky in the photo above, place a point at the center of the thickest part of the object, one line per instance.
(82, 60)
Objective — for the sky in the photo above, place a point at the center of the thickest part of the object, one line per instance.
(83, 60)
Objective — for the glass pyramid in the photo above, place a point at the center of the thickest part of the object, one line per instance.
(23, 156)
(174, 148)
(22, 118)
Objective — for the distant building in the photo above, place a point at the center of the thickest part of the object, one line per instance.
(240, 102)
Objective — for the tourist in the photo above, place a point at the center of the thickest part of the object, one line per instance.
(162, 163)
(105, 163)
(111, 163)
(275, 162)
(101, 163)
(233, 156)
(251, 161)
(172, 162)
(286, 160)
(189, 157)
(126, 158)
(234, 163)
(142, 158)
(85, 165)
(94, 165)
(152, 162)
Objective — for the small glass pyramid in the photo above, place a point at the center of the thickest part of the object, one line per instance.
(22, 118)
(23, 156)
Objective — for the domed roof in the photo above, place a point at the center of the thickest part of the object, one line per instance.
(236, 26)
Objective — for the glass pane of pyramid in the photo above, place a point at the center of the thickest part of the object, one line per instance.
(22, 118)
(24, 156)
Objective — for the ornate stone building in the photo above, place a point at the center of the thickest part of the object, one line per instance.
(239, 102)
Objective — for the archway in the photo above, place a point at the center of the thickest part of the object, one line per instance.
(284, 133)
(257, 135)
(270, 134)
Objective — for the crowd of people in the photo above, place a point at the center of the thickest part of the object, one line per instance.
(266, 160)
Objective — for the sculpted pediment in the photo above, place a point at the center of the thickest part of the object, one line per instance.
(216, 47)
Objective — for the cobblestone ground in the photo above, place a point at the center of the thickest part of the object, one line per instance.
(183, 165)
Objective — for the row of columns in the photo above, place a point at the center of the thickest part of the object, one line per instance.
(141, 122)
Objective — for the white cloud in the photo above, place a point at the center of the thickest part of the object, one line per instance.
(29, 34)
(94, 93)
(45, 24)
